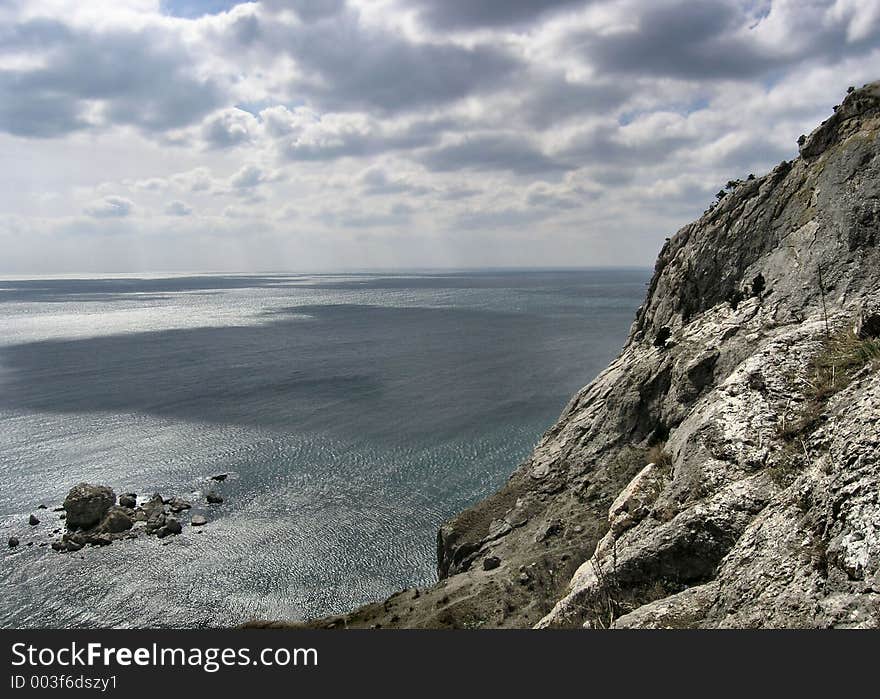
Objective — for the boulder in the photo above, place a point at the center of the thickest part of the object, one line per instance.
(128, 500)
(86, 504)
(172, 526)
(491, 562)
(155, 523)
(154, 505)
(117, 519)
(213, 498)
(198, 521)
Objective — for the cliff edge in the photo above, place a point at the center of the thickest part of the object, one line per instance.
(724, 470)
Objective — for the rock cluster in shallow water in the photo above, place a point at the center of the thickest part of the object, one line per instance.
(92, 516)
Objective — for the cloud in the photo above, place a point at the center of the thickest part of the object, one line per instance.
(110, 207)
(279, 121)
(508, 217)
(251, 176)
(86, 78)
(178, 208)
(344, 64)
(729, 40)
(553, 98)
(356, 218)
(228, 128)
(492, 152)
(196, 180)
(307, 10)
(376, 182)
(596, 126)
(473, 14)
(358, 135)
(196, 8)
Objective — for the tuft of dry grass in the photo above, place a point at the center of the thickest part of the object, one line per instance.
(658, 456)
(831, 370)
(842, 355)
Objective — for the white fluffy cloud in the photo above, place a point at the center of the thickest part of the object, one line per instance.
(416, 132)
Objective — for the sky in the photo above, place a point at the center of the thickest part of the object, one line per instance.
(209, 135)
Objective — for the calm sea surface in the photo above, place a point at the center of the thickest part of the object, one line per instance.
(354, 413)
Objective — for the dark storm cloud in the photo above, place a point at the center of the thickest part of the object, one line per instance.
(474, 14)
(492, 152)
(346, 65)
(684, 39)
(139, 78)
(601, 146)
(704, 41)
(553, 99)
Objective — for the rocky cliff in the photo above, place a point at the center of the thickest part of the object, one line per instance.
(724, 470)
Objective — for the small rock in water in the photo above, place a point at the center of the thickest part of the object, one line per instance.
(213, 498)
(220, 477)
(128, 500)
(198, 521)
(41, 507)
(33, 521)
(13, 542)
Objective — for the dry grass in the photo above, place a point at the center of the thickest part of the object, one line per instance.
(831, 370)
(658, 456)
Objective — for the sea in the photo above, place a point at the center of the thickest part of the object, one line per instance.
(353, 413)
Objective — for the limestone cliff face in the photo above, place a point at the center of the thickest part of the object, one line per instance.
(724, 470)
